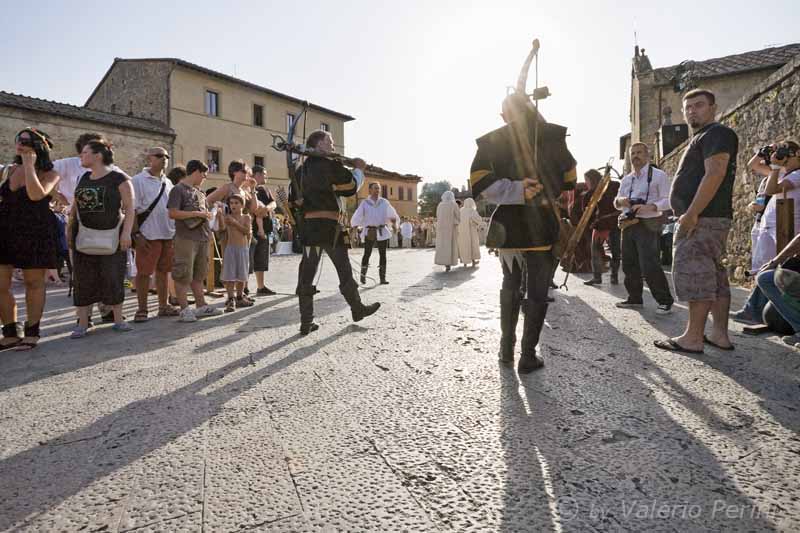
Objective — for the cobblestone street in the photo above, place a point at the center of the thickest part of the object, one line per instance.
(402, 422)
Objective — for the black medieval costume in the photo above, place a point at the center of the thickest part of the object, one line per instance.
(524, 233)
(321, 182)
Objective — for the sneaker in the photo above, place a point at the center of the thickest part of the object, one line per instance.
(122, 327)
(230, 305)
(593, 281)
(78, 333)
(792, 340)
(207, 310)
(187, 315)
(627, 304)
(744, 317)
(664, 309)
(265, 291)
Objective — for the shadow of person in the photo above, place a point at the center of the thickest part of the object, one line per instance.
(40, 479)
(436, 281)
(603, 438)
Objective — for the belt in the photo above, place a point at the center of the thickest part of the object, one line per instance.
(331, 215)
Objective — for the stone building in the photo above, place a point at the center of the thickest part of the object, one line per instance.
(64, 123)
(767, 112)
(399, 189)
(655, 102)
(216, 117)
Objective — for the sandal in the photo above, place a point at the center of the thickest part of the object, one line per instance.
(230, 305)
(671, 345)
(168, 310)
(244, 302)
(11, 331)
(26, 344)
(141, 315)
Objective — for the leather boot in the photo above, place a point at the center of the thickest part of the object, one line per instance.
(364, 274)
(597, 279)
(615, 272)
(307, 324)
(509, 314)
(359, 311)
(382, 271)
(531, 359)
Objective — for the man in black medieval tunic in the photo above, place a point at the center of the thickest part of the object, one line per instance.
(523, 167)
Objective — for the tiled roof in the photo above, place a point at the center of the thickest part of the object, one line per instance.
(379, 172)
(208, 71)
(733, 64)
(81, 113)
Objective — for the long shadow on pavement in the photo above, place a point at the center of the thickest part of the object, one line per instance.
(589, 446)
(39, 479)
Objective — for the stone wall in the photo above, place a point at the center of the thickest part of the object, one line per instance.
(135, 88)
(129, 145)
(769, 112)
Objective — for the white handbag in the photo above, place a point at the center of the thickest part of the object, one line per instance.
(97, 241)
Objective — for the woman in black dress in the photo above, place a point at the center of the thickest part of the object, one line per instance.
(103, 199)
(28, 239)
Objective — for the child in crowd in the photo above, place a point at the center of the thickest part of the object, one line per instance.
(236, 259)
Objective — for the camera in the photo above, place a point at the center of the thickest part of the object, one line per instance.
(630, 215)
(781, 153)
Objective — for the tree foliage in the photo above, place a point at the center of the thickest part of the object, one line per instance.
(430, 197)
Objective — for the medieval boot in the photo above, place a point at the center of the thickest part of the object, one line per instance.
(509, 314)
(360, 311)
(531, 359)
(307, 324)
(615, 271)
(597, 279)
(364, 274)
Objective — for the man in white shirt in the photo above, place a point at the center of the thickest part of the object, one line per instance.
(643, 195)
(372, 216)
(406, 232)
(154, 232)
(70, 169)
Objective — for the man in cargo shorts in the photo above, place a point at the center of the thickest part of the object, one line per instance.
(702, 196)
(187, 207)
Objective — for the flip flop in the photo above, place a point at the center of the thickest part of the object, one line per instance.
(715, 345)
(672, 346)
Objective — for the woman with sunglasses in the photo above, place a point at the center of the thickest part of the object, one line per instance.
(28, 239)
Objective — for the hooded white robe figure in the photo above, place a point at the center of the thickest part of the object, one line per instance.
(447, 220)
(469, 248)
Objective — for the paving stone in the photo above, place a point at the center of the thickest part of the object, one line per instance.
(402, 422)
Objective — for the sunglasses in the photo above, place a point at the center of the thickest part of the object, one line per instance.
(161, 156)
(25, 141)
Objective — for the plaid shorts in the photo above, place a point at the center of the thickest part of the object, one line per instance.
(697, 269)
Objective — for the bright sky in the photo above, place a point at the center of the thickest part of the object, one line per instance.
(422, 78)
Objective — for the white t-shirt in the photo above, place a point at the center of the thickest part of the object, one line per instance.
(146, 187)
(770, 218)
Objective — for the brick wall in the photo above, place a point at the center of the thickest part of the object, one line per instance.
(129, 145)
(138, 88)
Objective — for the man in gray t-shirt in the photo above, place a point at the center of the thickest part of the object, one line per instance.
(187, 207)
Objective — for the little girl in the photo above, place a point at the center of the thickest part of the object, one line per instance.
(236, 260)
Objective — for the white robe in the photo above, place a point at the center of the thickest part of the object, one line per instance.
(469, 248)
(447, 220)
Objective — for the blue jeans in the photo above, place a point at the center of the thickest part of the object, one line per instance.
(766, 282)
(755, 304)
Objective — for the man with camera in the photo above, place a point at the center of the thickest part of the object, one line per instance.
(780, 163)
(643, 195)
